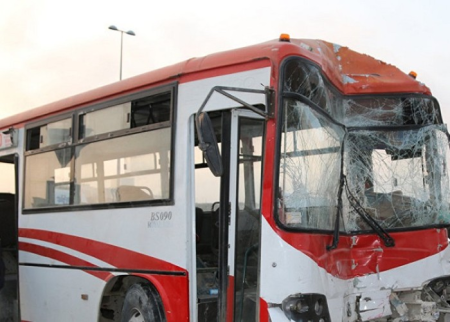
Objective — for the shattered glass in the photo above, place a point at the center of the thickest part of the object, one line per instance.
(382, 111)
(306, 79)
(383, 155)
(399, 177)
(311, 147)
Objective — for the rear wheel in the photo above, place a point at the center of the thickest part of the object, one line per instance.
(141, 305)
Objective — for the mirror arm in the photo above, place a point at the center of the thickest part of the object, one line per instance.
(204, 126)
(222, 90)
(268, 92)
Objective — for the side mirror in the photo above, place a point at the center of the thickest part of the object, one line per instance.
(208, 144)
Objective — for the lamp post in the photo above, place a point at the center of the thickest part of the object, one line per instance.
(129, 32)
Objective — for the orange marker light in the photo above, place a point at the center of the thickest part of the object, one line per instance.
(413, 74)
(285, 37)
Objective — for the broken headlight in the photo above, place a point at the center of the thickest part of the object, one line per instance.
(438, 290)
(306, 307)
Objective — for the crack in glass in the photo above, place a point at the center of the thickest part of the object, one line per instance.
(392, 150)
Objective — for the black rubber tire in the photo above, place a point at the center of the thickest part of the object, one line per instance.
(141, 304)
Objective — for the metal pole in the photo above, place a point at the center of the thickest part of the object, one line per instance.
(129, 32)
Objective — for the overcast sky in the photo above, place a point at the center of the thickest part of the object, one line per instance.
(51, 49)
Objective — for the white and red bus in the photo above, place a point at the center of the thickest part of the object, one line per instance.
(293, 180)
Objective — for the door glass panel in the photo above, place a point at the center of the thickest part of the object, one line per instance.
(248, 221)
(207, 196)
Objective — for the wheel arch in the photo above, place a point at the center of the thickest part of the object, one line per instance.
(116, 288)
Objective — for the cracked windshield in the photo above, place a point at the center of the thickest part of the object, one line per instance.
(383, 158)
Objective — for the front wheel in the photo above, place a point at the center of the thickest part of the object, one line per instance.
(140, 305)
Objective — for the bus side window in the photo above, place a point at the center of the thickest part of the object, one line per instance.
(120, 153)
(128, 168)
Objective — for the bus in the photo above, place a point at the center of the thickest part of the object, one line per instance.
(292, 180)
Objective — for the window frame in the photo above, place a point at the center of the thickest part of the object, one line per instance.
(43, 122)
(171, 89)
(326, 116)
(284, 94)
(122, 100)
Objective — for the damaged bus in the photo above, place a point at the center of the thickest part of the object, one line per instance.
(293, 180)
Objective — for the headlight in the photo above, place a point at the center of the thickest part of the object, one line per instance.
(306, 307)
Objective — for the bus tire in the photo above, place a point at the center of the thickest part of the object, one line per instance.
(141, 305)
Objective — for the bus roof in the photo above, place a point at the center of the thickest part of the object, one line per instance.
(350, 72)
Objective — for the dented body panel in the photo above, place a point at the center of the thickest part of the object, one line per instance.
(363, 194)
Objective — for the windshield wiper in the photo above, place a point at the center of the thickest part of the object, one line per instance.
(384, 235)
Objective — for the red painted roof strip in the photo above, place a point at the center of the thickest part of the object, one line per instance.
(349, 71)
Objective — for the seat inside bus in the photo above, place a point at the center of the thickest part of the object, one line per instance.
(133, 193)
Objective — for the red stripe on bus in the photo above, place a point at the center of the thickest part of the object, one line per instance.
(263, 310)
(64, 258)
(230, 299)
(118, 257)
(174, 292)
(361, 255)
(261, 62)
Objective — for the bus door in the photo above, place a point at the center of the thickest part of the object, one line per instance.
(245, 215)
(228, 230)
(9, 242)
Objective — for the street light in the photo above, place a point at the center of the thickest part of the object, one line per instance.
(129, 32)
